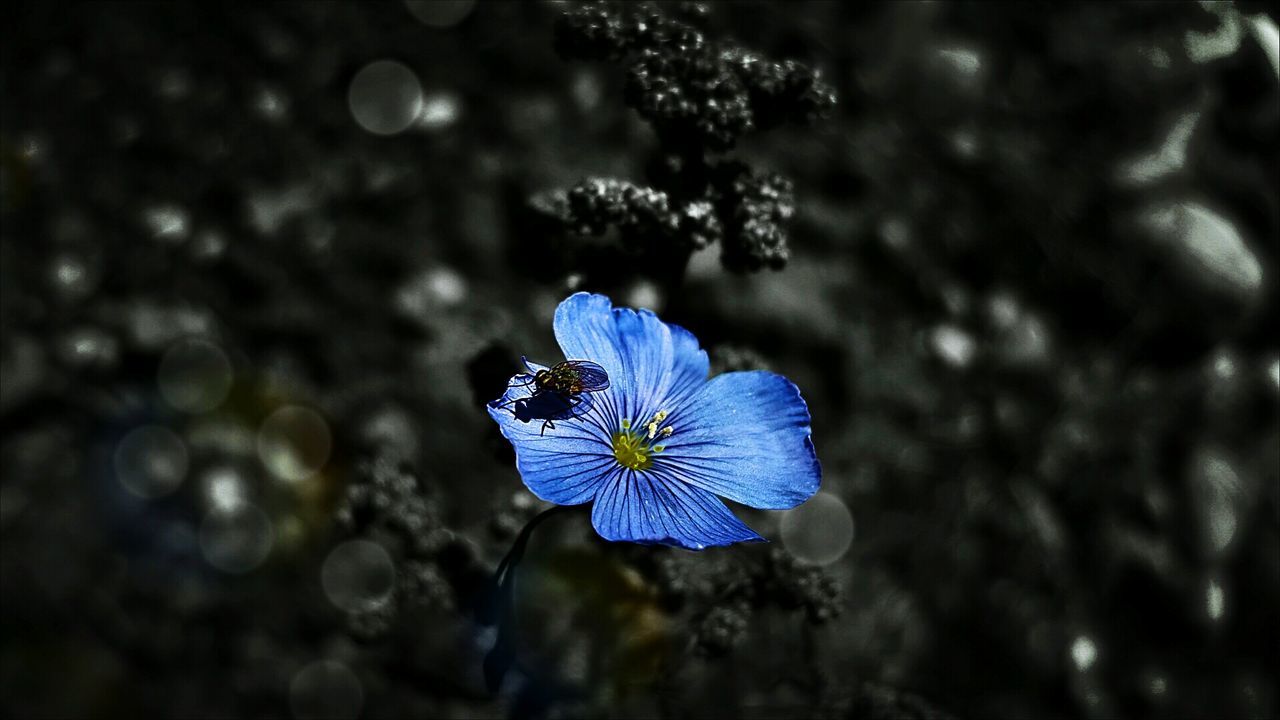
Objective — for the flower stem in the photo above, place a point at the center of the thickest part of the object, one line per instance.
(516, 553)
(501, 657)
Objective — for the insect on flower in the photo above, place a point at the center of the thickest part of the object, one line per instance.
(559, 392)
(663, 442)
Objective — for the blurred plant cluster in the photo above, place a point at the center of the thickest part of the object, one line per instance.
(261, 266)
(700, 96)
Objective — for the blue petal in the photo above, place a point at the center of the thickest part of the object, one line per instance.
(652, 366)
(565, 466)
(745, 436)
(645, 507)
(689, 369)
(646, 355)
(584, 328)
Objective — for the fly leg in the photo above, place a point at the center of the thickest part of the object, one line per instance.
(498, 404)
(575, 402)
(579, 401)
(515, 405)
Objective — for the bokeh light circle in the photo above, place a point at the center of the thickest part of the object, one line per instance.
(385, 97)
(955, 346)
(325, 689)
(820, 531)
(194, 376)
(224, 488)
(236, 539)
(1215, 600)
(440, 13)
(294, 443)
(1084, 653)
(358, 575)
(151, 461)
(73, 277)
(439, 111)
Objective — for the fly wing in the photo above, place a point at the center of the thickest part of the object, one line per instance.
(591, 376)
(576, 407)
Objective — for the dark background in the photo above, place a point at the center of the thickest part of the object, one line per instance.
(1031, 300)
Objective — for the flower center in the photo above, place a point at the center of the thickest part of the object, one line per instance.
(633, 449)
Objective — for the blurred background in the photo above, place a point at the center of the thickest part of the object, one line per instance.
(261, 266)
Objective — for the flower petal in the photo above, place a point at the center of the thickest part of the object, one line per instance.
(745, 436)
(690, 367)
(646, 353)
(645, 507)
(634, 348)
(585, 330)
(652, 366)
(567, 464)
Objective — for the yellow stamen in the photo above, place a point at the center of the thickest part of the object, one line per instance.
(653, 424)
(632, 449)
(631, 452)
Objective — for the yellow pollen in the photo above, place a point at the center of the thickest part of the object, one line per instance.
(631, 451)
(632, 448)
(658, 417)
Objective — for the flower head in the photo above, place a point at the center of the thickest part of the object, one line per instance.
(655, 448)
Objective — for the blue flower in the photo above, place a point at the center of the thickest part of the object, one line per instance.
(656, 447)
